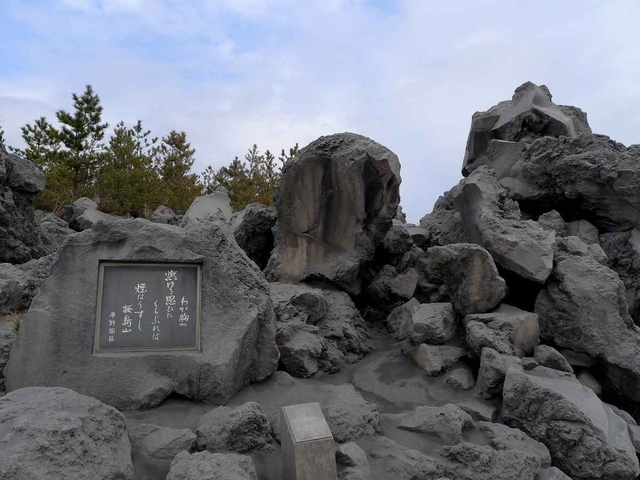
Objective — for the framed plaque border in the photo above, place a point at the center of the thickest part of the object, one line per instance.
(126, 263)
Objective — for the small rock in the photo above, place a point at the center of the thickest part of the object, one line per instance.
(433, 323)
(493, 368)
(350, 416)
(215, 206)
(584, 230)
(552, 473)
(300, 348)
(589, 381)
(400, 315)
(355, 462)
(461, 378)
(479, 336)
(446, 422)
(480, 410)
(160, 442)
(165, 215)
(212, 466)
(435, 359)
(550, 357)
(553, 221)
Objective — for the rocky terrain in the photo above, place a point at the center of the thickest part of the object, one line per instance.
(495, 340)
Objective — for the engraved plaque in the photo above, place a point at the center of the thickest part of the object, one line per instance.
(148, 306)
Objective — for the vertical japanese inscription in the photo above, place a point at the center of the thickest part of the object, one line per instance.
(144, 306)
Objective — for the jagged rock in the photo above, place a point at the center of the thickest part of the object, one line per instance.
(469, 275)
(300, 348)
(444, 225)
(84, 203)
(240, 429)
(493, 368)
(623, 251)
(56, 433)
(503, 437)
(584, 230)
(20, 235)
(480, 410)
(553, 221)
(585, 438)
(435, 359)
(446, 422)
(330, 315)
(529, 363)
(212, 466)
(461, 378)
(552, 473)
(240, 349)
(354, 462)
(512, 330)
(397, 240)
(391, 286)
(530, 114)
(468, 461)
(161, 443)
(584, 308)
(19, 283)
(549, 357)
(432, 323)
(577, 359)
(419, 235)
(400, 315)
(395, 461)
(215, 206)
(494, 221)
(349, 415)
(567, 247)
(335, 203)
(165, 215)
(7, 337)
(252, 228)
(54, 231)
(88, 218)
(590, 177)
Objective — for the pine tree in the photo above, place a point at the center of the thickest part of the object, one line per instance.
(174, 158)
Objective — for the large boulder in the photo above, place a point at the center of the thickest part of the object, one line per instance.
(584, 308)
(212, 466)
(497, 135)
(237, 343)
(252, 228)
(469, 276)
(215, 206)
(88, 218)
(20, 235)
(494, 221)
(58, 434)
(335, 203)
(165, 215)
(587, 440)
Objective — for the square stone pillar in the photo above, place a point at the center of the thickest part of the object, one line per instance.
(307, 444)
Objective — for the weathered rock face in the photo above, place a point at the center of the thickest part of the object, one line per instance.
(20, 182)
(493, 369)
(444, 224)
(88, 218)
(18, 283)
(469, 275)
(215, 206)
(318, 329)
(165, 215)
(161, 443)
(494, 221)
(252, 228)
(237, 321)
(56, 433)
(584, 308)
(7, 338)
(446, 422)
(54, 231)
(585, 438)
(212, 466)
(432, 323)
(335, 203)
(497, 135)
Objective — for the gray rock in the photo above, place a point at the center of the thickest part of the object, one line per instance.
(469, 275)
(568, 247)
(54, 231)
(20, 235)
(622, 414)
(461, 378)
(589, 381)
(584, 308)
(479, 336)
(7, 338)
(215, 206)
(397, 240)
(444, 224)
(494, 221)
(419, 235)
(480, 410)
(239, 429)
(84, 203)
(546, 372)
(164, 215)
(432, 323)
(400, 315)
(252, 228)
(585, 438)
(56, 433)
(577, 359)
(435, 359)
(530, 114)
(584, 230)
(493, 368)
(349, 415)
(552, 473)
(503, 437)
(392, 460)
(19, 283)
(354, 461)
(553, 221)
(161, 443)
(330, 315)
(212, 466)
(550, 357)
(237, 320)
(335, 203)
(88, 218)
(521, 328)
(391, 286)
(447, 422)
(634, 433)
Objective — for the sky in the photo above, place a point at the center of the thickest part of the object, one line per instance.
(407, 73)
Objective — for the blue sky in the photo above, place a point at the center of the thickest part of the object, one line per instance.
(407, 73)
